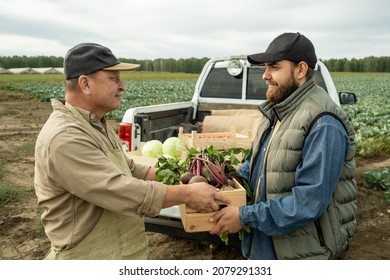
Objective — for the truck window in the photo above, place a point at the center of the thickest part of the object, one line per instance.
(256, 86)
(220, 84)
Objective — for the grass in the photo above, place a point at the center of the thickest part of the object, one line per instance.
(9, 193)
(28, 148)
(38, 224)
(128, 76)
(5, 96)
(7, 112)
(36, 78)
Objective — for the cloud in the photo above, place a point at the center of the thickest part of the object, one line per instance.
(202, 28)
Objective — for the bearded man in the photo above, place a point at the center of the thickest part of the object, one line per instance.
(301, 165)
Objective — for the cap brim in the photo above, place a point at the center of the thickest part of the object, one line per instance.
(261, 58)
(122, 67)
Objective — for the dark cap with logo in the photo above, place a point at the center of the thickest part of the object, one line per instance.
(86, 58)
(290, 46)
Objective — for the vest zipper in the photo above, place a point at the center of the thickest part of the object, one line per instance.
(319, 232)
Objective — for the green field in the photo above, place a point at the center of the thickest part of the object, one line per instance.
(370, 116)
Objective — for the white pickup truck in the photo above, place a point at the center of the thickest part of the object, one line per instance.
(226, 83)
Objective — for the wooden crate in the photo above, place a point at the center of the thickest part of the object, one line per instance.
(222, 140)
(194, 221)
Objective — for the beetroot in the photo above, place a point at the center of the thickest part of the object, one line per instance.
(186, 177)
(197, 179)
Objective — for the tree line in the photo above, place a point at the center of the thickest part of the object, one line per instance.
(188, 65)
(195, 65)
(368, 64)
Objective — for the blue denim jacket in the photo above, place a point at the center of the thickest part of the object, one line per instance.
(323, 156)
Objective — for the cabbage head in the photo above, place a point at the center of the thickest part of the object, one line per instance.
(152, 148)
(174, 147)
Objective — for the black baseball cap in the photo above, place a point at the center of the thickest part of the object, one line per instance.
(291, 46)
(86, 58)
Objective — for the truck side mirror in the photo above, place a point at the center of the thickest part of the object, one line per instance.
(347, 98)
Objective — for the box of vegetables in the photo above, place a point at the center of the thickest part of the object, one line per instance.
(220, 140)
(218, 167)
(194, 221)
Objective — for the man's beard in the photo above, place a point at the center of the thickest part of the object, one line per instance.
(281, 92)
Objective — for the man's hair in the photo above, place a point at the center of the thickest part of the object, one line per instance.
(309, 73)
(71, 84)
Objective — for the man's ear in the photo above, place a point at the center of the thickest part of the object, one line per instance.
(84, 83)
(302, 69)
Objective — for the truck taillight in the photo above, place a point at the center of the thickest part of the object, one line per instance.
(124, 133)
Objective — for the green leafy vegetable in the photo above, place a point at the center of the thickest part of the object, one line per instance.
(377, 179)
(169, 170)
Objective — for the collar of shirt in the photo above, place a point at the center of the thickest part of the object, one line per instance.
(100, 125)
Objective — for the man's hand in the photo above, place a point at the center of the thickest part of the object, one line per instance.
(203, 197)
(227, 221)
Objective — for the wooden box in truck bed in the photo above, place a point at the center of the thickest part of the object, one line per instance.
(222, 140)
(224, 129)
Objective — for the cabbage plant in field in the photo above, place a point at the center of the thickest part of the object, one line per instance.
(152, 92)
(371, 114)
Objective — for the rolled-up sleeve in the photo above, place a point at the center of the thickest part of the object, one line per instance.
(137, 170)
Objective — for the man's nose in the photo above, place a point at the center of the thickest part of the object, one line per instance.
(266, 75)
(121, 86)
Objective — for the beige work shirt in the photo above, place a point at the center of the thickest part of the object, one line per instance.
(75, 181)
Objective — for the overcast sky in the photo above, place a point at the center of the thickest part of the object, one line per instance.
(149, 29)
